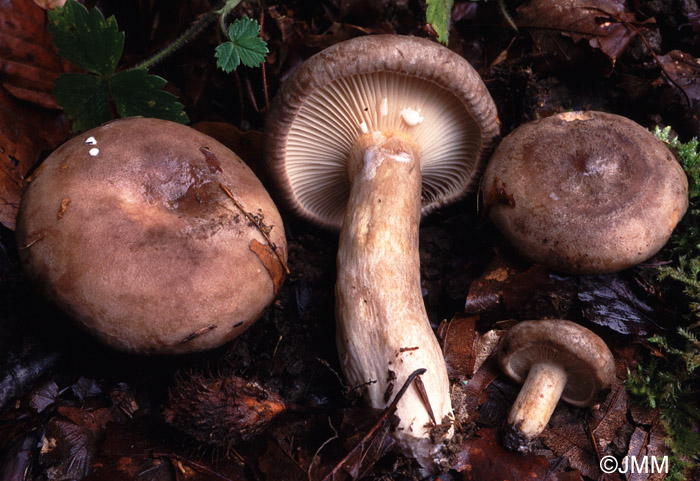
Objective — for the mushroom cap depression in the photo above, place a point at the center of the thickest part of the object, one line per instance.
(379, 83)
(128, 229)
(585, 192)
(589, 364)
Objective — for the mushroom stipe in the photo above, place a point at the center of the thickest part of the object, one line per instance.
(365, 137)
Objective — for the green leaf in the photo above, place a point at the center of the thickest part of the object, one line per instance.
(438, 16)
(135, 92)
(84, 98)
(245, 46)
(86, 38)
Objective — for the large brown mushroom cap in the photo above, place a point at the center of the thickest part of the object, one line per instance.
(586, 359)
(585, 192)
(379, 83)
(129, 229)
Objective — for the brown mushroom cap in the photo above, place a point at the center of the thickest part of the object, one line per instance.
(589, 364)
(585, 192)
(379, 83)
(128, 229)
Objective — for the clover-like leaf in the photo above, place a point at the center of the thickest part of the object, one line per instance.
(135, 92)
(438, 16)
(84, 98)
(245, 46)
(86, 38)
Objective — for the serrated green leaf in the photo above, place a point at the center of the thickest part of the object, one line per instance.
(84, 99)
(86, 38)
(438, 16)
(135, 92)
(245, 46)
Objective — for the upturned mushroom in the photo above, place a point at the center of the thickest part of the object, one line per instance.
(365, 137)
(584, 192)
(552, 359)
(154, 237)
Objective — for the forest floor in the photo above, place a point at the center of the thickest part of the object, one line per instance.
(74, 409)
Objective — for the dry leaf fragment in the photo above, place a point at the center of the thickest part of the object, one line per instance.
(606, 25)
(50, 4)
(271, 262)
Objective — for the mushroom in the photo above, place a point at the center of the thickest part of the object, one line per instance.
(584, 192)
(364, 137)
(152, 236)
(552, 359)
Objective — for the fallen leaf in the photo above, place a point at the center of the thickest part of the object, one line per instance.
(459, 342)
(48, 4)
(570, 437)
(271, 262)
(484, 459)
(646, 447)
(486, 293)
(29, 62)
(26, 131)
(682, 70)
(605, 25)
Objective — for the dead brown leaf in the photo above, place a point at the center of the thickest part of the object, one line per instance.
(605, 25)
(271, 262)
(570, 437)
(482, 458)
(485, 294)
(645, 445)
(683, 71)
(49, 4)
(459, 342)
(29, 62)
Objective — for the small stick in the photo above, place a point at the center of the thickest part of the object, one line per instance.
(255, 223)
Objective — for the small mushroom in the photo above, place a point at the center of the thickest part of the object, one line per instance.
(552, 359)
(152, 236)
(367, 135)
(584, 192)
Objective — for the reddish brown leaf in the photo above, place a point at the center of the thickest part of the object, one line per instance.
(486, 292)
(25, 131)
(683, 71)
(271, 262)
(29, 62)
(475, 391)
(459, 346)
(606, 25)
(484, 459)
(49, 4)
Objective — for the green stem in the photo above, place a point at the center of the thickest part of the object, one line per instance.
(189, 34)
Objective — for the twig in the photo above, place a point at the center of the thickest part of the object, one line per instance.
(387, 412)
(257, 225)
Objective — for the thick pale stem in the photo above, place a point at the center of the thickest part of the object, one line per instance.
(534, 405)
(383, 332)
